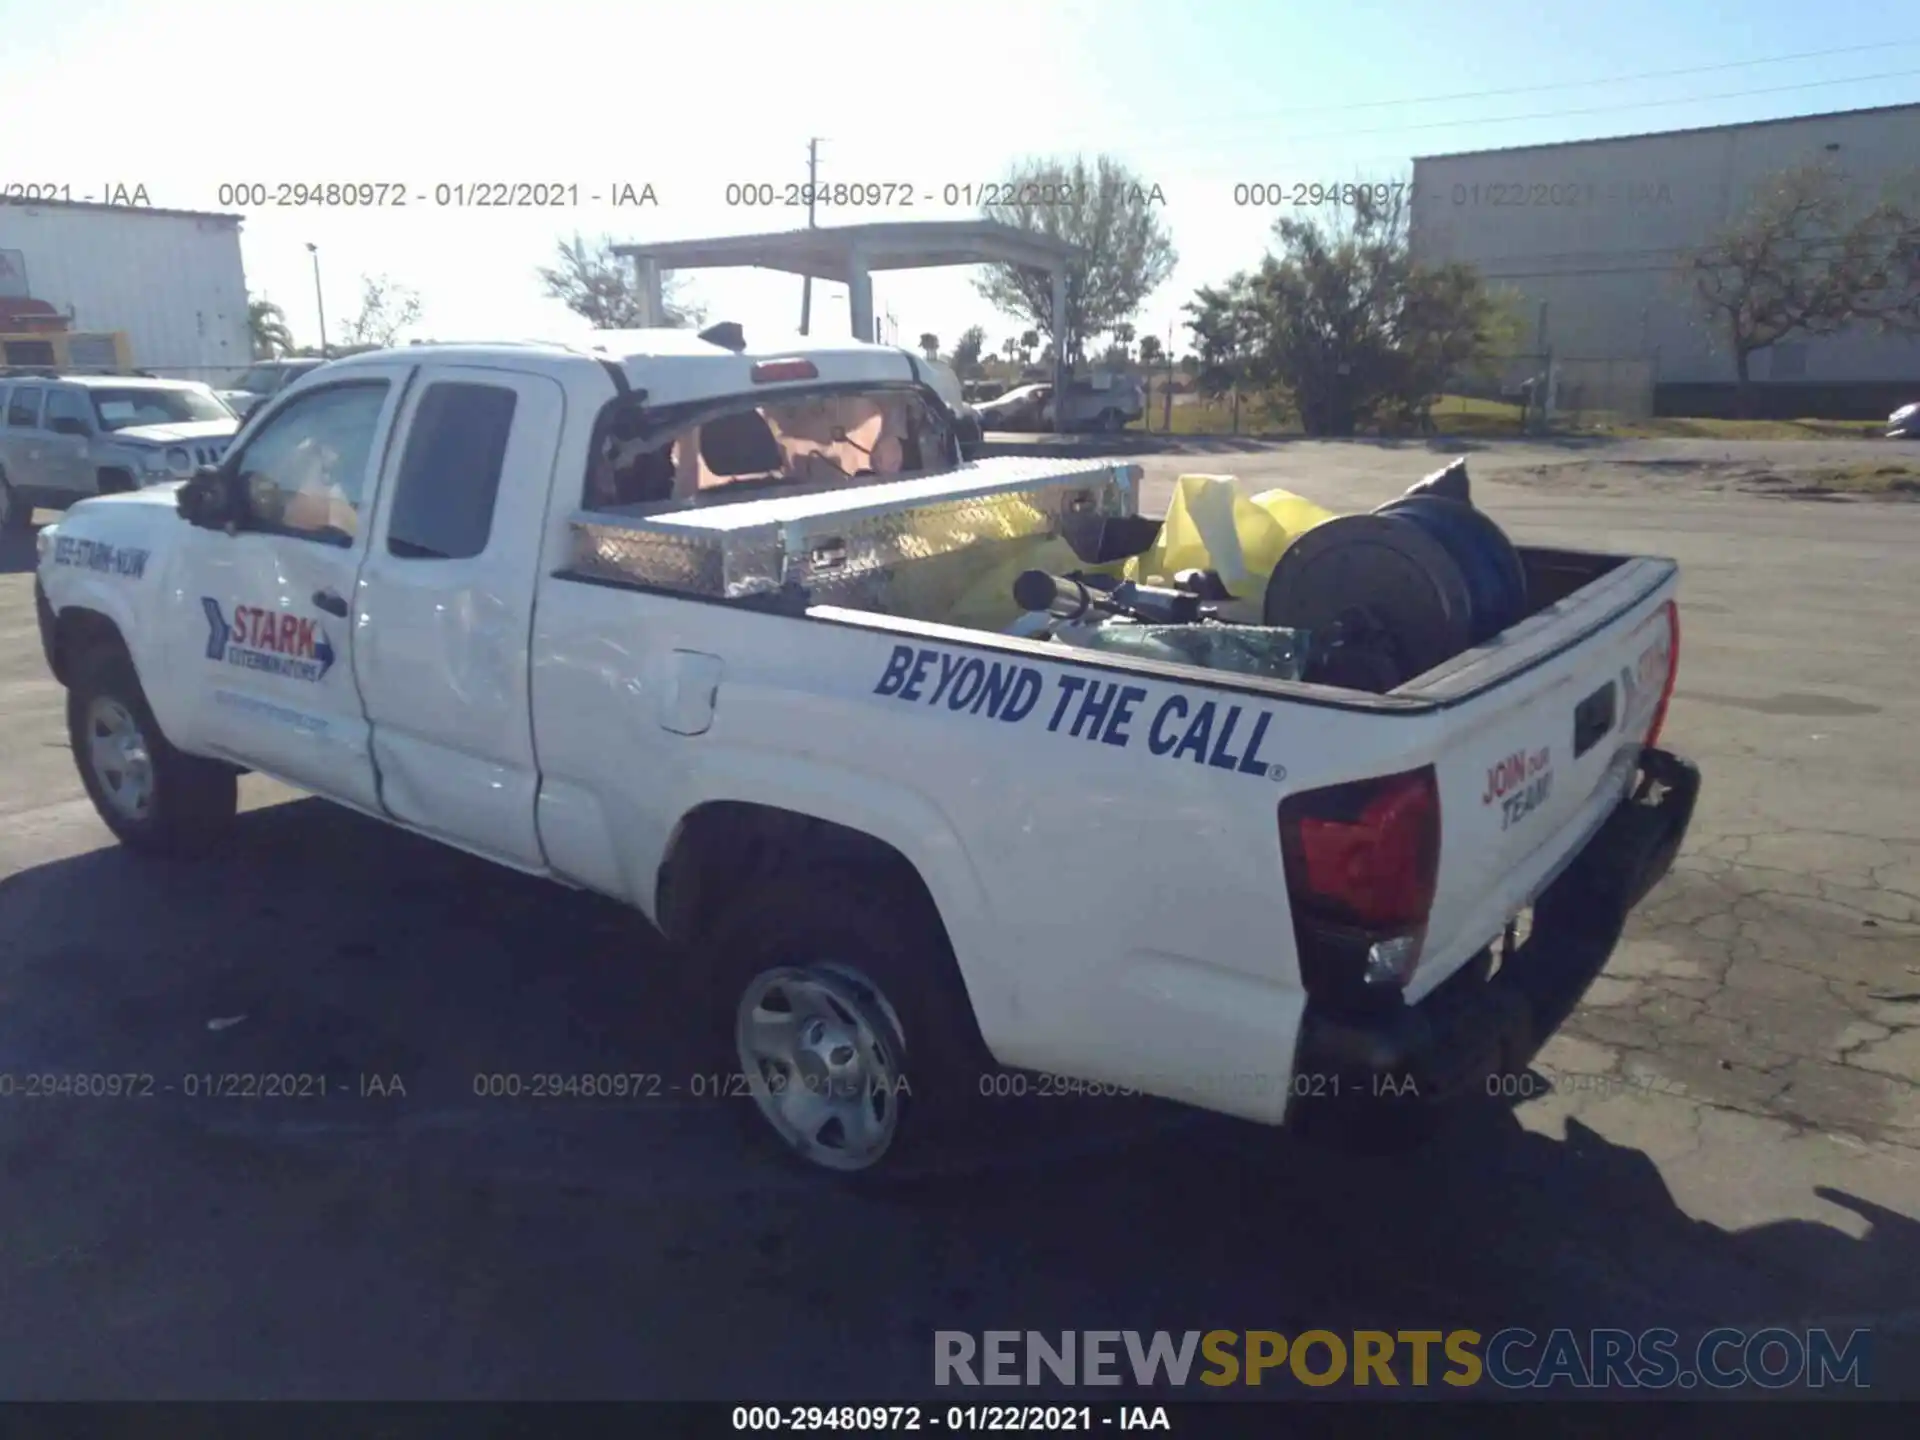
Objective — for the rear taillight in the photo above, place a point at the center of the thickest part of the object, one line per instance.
(1673, 674)
(1361, 861)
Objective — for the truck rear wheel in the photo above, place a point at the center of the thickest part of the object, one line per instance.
(155, 798)
(839, 1006)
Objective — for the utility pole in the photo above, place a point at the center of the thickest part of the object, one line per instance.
(319, 302)
(1167, 406)
(806, 281)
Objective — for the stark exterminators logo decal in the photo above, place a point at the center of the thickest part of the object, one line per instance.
(269, 640)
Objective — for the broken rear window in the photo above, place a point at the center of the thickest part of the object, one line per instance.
(822, 438)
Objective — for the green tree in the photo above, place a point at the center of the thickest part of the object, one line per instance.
(1123, 250)
(930, 344)
(1345, 324)
(1220, 318)
(1808, 256)
(602, 288)
(267, 325)
(1150, 350)
(966, 352)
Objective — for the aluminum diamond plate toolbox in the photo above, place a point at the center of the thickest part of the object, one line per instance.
(845, 546)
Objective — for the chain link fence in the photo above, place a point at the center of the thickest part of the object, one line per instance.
(1539, 390)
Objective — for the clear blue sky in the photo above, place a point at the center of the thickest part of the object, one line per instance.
(1196, 96)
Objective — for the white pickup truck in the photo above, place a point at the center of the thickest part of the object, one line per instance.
(643, 618)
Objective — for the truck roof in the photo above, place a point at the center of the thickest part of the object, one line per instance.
(670, 365)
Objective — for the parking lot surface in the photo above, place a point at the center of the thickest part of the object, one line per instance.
(1728, 1133)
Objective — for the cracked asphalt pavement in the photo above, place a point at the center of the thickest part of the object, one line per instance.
(1725, 1134)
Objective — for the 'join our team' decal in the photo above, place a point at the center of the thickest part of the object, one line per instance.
(1180, 727)
(269, 640)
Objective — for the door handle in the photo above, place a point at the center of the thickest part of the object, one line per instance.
(330, 602)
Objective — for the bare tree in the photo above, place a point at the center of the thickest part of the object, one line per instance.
(386, 308)
(1807, 258)
(1123, 252)
(601, 287)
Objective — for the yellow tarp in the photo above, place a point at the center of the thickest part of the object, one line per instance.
(1209, 526)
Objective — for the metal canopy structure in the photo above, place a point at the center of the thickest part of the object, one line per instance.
(849, 254)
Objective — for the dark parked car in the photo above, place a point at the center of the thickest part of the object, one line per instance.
(262, 380)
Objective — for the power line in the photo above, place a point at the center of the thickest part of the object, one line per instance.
(1576, 84)
(1604, 109)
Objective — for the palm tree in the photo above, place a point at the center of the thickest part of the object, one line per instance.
(267, 324)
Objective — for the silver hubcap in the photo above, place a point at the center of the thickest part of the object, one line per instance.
(821, 1051)
(118, 753)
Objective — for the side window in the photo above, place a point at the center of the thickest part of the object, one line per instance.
(69, 405)
(306, 470)
(450, 474)
(23, 411)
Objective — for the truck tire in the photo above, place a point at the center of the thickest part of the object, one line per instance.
(879, 1058)
(156, 799)
(15, 514)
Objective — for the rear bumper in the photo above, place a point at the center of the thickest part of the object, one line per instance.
(1472, 1028)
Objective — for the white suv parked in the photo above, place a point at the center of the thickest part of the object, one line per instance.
(66, 438)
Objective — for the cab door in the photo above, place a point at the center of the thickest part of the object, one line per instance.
(446, 607)
(274, 637)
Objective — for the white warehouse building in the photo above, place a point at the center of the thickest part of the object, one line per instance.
(170, 280)
(1592, 235)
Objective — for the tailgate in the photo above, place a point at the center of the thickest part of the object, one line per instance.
(1539, 737)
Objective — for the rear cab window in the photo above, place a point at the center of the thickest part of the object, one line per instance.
(799, 439)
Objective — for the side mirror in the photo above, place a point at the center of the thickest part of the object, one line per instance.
(211, 499)
(69, 425)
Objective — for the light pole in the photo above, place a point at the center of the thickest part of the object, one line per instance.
(318, 303)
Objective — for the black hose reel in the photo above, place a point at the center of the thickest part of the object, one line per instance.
(1397, 592)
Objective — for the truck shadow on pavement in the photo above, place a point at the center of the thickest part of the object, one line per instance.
(414, 1233)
